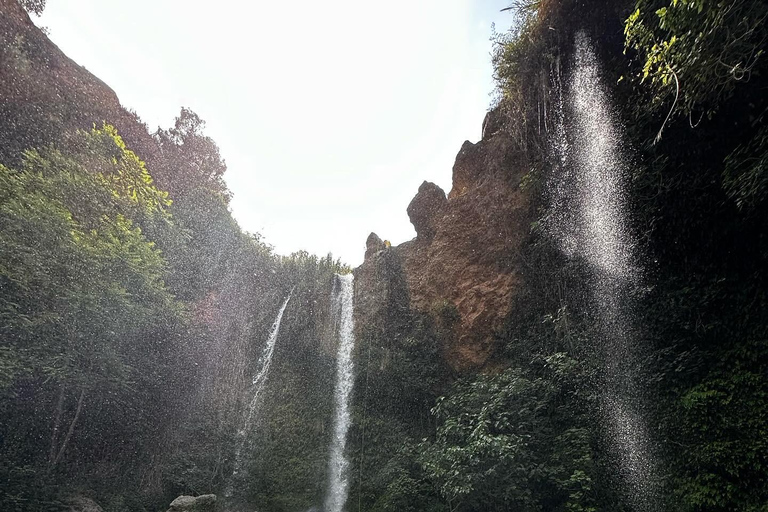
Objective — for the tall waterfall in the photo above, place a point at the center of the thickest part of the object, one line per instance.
(257, 386)
(338, 465)
(589, 220)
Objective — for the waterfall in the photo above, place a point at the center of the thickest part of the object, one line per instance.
(338, 465)
(257, 385)
(589, 220)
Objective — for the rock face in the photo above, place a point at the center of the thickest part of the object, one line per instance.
(464, 265)
(82, 504)
(373, 245)
(385, 302)
(426, 209)
(204, 503)
(44, 94)
(43, 61)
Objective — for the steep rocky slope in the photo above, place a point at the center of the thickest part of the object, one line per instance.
(462, 270)
(44, 93)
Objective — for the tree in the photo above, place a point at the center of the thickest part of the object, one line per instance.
(502, 443)
(189, 159)
(697, 50)
(81, 283)
(35, 7)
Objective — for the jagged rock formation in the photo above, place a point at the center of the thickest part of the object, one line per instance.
(384, 299)
(463, 267)
(426, 209)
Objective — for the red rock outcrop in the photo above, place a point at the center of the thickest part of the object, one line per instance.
(463, 267)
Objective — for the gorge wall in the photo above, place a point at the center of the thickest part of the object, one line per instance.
(462, 271)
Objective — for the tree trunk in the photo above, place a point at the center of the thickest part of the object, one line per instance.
(71, 428)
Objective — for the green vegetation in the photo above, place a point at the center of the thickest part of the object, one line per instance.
(526, 437)
(699, 49)
(133, 308)
(132, 320)
(502, 443)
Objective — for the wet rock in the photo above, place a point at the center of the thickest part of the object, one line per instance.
(203, 503)
(381, 295)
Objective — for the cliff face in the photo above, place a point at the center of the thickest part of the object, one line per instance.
(44, 93)
(40, 72)
(462, 270)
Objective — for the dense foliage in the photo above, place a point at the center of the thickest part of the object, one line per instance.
(133, 308)
(697, 72)
(526, 438)
(132, 318)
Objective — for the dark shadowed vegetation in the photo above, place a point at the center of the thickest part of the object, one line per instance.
(133, 308)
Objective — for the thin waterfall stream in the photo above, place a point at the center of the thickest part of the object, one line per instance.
(257, 386)
(338, 464)
(590, 221)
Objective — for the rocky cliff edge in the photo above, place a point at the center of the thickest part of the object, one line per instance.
(463, 269)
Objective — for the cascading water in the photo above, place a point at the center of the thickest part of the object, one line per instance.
(338, 465)
(257, 386)
(589, 220)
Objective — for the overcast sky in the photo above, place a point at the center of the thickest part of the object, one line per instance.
(329, 114)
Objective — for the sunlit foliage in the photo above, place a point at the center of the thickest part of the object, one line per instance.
(698, 49)
(133, 307)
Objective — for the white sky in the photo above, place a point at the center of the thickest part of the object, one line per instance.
(329, 114)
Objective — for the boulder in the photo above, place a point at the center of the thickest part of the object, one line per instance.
(82, 504)
(204, 503)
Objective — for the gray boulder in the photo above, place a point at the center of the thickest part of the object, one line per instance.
(204, 503)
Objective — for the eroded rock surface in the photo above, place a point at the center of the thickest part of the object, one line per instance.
(44, 94)
(464, 263)
(426, 209)
(381, 290)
